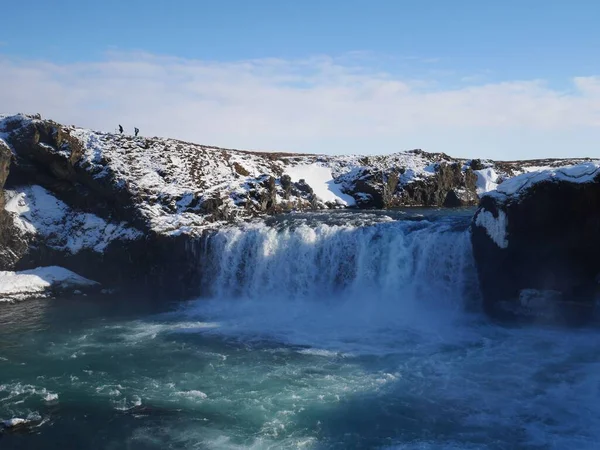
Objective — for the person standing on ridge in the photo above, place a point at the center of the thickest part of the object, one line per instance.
(136, 131)
(121, 129)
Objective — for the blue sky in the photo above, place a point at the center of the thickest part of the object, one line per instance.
(505, 60)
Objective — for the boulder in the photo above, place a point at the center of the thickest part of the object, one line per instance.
(538, 237)
(376, 189)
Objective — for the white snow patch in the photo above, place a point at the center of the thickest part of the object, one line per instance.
(487, 180)
(36, 282)
(494, 226)
(535, 168)
(321, 180)
(37, 211)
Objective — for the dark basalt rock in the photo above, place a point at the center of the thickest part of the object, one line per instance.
(476, 164)
(450, 186)
(379, 188)
(12, 244)
(553, 235)
(286, 185)
(155, 266)
(46, 154)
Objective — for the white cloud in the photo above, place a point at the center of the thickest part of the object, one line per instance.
(319, 104)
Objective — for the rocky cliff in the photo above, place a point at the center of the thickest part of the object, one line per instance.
(536, 243)
(130, 211)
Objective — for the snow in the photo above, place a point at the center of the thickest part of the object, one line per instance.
(36, 282)
(580, 173)
(36, 211)
(496, 227)
(487, 180)
(320, 179)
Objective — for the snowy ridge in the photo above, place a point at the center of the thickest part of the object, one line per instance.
(37, 282)
(175, 187)
(173, 178)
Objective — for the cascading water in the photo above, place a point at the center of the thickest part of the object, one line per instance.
(401, 261)
(340, 282)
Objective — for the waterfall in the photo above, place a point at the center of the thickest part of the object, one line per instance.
(399, 261)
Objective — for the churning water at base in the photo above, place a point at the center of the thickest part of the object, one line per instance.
(338, 331)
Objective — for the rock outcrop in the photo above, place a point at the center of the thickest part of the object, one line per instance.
(12, 245)
(536, 241)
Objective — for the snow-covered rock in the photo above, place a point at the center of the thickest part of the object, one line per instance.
(40, 282)
(322, 182)
(172, 187)
(540, 231)
(512, 188)
(37, 212)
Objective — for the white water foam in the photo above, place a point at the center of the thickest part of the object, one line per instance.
(404, 260)
(340, 288)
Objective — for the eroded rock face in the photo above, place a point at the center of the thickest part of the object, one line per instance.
(449, 187)
(12, 245)
(540, 242)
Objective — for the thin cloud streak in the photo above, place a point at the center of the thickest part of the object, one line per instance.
(320, 104)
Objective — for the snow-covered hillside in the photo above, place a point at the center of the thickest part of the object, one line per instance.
(171, 187)
(174, 179)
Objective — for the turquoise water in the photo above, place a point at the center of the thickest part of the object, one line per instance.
(388, 357)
